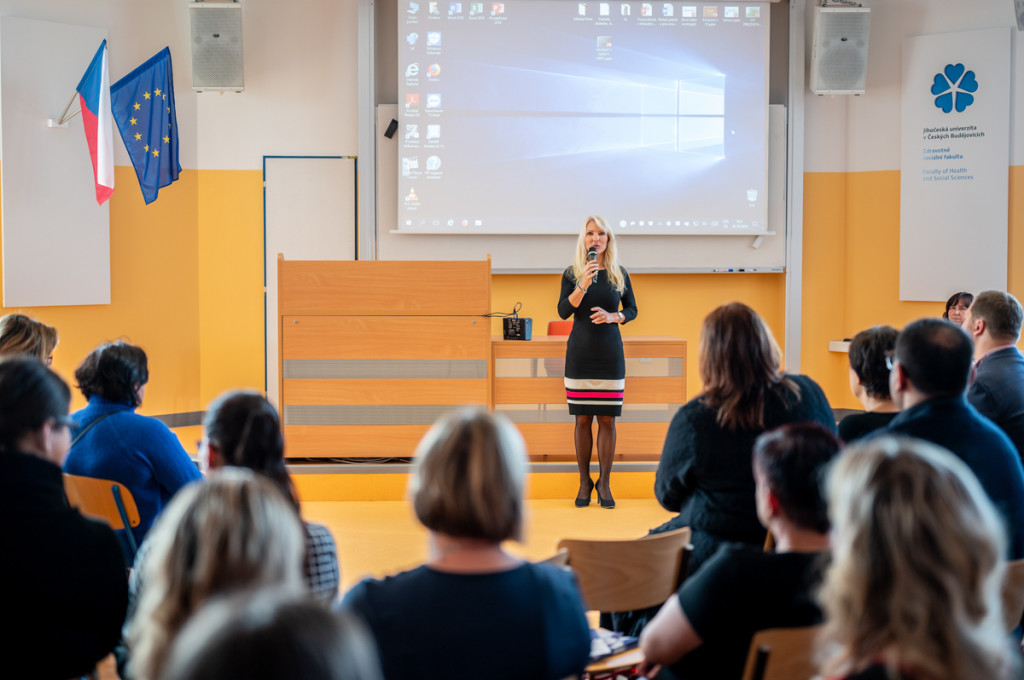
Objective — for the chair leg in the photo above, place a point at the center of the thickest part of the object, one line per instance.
(124, 520)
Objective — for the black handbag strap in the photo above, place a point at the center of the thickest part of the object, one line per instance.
(90, 426)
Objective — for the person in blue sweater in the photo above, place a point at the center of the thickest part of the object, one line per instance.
(111, 441)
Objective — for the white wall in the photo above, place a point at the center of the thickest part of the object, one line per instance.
(853, 134)
(300, 74)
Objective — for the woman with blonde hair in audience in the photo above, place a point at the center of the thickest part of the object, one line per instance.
(913, 591)
(20, 334)
(473, 610)
(269, 634)
(242, 429)
(235, 531)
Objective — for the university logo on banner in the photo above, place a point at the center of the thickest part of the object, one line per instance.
(143, 107)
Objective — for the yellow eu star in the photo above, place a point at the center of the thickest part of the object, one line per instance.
(137, 106)
(156, 152)
(138, 136)
(133, 121)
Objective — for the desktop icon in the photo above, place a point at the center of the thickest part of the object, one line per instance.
(497, 8)
(411, 196)
(624, 9)
(434, 70)
(646, 10)
(433, 8)
(689, 11)
(433, 132)
(412, 70)
(732, 12)
(581, 9)
(454, 8)
(476, 8)
(751, 195)
(412, 38)
(604, 42)
(412, 100)
(753, 12)
(433, 101)
(604, 9)
(433, 163)
(413, 7)
(412, 131)
(409, 163)
(433, 38)
(667, 10)
(710, 12)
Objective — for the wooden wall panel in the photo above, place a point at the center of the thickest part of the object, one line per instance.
(325, 392)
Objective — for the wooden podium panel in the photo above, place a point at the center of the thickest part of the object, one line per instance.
(529, 389)
(376, 288)
(373, 353)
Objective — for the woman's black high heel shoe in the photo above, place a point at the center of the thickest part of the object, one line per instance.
(606, 503)
(584, 502)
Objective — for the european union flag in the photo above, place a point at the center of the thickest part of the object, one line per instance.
(143, 106)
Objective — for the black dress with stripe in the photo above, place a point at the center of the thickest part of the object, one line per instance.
(595, 369)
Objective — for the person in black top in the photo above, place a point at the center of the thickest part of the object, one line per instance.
(595, 369)
(869, 382)
(705, 631)
(67, 588)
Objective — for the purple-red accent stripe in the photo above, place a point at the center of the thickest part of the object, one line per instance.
(596, 395)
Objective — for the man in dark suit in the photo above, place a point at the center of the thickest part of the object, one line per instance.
(930, 370)
(994, 322)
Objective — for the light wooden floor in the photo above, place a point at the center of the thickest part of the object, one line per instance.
(376, 538)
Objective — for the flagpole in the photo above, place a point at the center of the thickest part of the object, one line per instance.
(64, 117)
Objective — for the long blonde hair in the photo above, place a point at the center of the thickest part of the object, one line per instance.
(611, 255)
(917, 565)
(235, 530)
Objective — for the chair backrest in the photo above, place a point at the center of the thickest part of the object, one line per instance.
(559, 559)
(1013, 594)
(560, 327)
(782, 654)
(623, 575)
(96, 498)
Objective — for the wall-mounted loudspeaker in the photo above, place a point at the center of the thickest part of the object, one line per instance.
(216, 45)
(839, 56)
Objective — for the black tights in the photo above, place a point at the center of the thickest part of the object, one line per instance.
(584, 438)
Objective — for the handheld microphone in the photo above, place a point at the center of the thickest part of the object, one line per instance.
(592, 256)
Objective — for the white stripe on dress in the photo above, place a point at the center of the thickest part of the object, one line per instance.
(595, 384)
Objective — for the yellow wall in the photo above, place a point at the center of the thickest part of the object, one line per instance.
(187, 284)
(851, 267)
(154, 291)
(230, 282)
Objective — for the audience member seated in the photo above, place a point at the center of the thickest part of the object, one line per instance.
(473, 610)
(111, 441)
(242, 429)
(704, 473)
(268, 635)
(67, 589)
(957, 306)
(235, 531)
(20, 334)
(913, 590)
(997, 391)
(706, 630)
(869, 382)
(931, 367)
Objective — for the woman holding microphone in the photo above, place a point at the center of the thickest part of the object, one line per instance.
(595, 369)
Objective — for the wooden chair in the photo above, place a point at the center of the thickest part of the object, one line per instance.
(624, 575)
(105, 500)
(1013, 594)
(559, 559)
(782, 654)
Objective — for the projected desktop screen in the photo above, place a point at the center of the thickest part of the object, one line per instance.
(525, 116)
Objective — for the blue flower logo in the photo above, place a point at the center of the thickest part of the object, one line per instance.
(954, 88)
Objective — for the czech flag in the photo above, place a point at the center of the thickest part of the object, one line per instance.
(94, 96)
